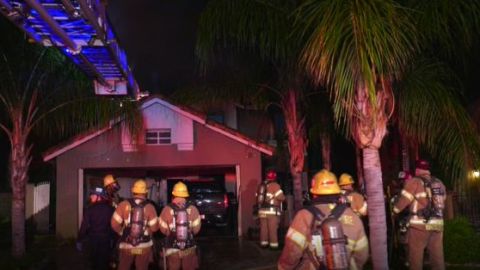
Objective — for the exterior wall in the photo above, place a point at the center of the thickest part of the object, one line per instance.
(105, 151)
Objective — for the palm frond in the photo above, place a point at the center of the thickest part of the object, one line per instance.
(431, 112)
(447, 25)
(354, 42)
(260, 26)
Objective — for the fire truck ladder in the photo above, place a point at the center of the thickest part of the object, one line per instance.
(80, 30)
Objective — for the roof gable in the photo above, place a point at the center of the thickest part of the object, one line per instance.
(184, 111)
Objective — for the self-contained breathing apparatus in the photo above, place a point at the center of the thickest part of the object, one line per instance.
(436, 199)
(182, 238)
(329, 243)
(262, 195)
(134, 232)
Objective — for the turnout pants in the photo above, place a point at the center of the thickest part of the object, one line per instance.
(184, 259)
(127, 257)
(268, 231)
(418, 240)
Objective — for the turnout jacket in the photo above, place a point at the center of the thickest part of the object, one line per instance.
(273, 198)
(414, 195)
(121, 219)
(167, 225)
(299, 237)
(357, 202)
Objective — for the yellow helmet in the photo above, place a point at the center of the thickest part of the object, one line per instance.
(324, 183)
(108, 179)
(180, 190)
(139, 187)
(345, 179)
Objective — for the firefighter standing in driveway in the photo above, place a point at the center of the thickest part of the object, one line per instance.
(180, 221)
(269, 198)
(425, 197)
(356, 200)
(96, 228)
(135, 220)
(316, 237)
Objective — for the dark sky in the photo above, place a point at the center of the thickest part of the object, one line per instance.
(159, 38)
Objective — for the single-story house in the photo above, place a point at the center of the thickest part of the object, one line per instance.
(175, 143)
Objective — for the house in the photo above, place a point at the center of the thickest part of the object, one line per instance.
(176, 143)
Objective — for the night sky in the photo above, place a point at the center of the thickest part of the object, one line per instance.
(158, 37)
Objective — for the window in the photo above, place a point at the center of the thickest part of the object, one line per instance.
(158, 136)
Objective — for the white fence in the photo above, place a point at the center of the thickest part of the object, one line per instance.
(38, 205)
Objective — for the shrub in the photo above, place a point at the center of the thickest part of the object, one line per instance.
(461, 242)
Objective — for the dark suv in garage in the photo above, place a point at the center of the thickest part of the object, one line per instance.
(212, 200)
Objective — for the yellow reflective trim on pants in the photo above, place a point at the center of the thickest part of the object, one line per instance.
(274, 245)
(278, 193)
(420, 221)
(117, 218)
(297, 237)
(353, 264)
(351, 244)
(407, 195)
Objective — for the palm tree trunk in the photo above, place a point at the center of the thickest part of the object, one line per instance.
(19, 163)
(326, 150)
(359, 165)
(376, 207)
(297, 142)
(405, 154)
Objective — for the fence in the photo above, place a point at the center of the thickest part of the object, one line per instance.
(37, 206)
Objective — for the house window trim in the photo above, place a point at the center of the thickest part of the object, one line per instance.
(159, 138)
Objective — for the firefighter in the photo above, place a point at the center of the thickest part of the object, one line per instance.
(356, 200)
(269, 199)
(96, 228)
(135, 220)
(112, 187)
(425, 197)
(304, 248)
(180, 221)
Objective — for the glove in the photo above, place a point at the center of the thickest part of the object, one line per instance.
(78, 246)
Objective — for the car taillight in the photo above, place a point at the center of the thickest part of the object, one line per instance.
(225, 200)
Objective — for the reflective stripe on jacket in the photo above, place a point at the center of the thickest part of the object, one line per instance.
(299, 237)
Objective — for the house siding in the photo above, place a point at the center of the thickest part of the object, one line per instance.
(105, 151)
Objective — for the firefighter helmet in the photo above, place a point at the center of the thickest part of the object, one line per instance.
(108, 179)
(271, 175)
(180, 190)
(345, 179)
(324, 183)
(422, 164)
(139, 187)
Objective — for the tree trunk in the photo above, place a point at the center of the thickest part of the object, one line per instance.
(297, 141)
(359, 163)
(405, 154)
(19, 163)
(326, 144)
(376, 208)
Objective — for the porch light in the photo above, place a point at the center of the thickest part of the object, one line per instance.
(476, 173)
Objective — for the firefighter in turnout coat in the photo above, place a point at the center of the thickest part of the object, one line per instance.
(425, 197)
(135, 220)
(269, 198)
(112, 187)
(303, 250)
(180, 221)
(356, 200)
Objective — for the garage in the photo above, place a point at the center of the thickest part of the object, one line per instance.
(176, 143)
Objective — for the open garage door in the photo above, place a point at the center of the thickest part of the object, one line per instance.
(213, 189)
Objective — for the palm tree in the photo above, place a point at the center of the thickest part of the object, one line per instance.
(43, 94)
(361, 50)
(263, 28)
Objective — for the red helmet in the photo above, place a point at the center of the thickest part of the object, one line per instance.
(271, 175)
(422, 164)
